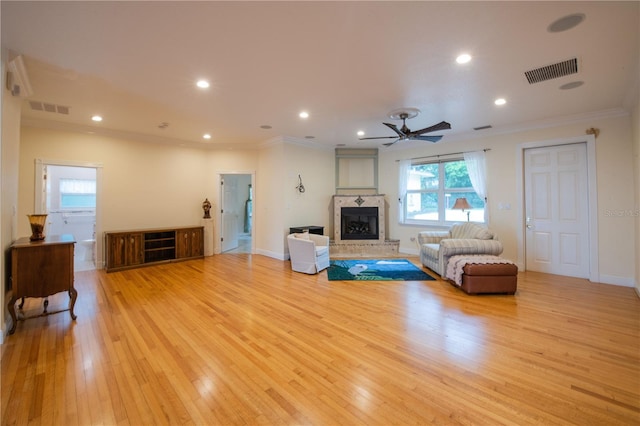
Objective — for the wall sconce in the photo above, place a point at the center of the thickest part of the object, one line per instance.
(462, 204)
(300, 186)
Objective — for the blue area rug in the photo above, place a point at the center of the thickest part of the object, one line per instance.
(376, 270)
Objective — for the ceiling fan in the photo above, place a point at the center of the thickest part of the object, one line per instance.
(405, 134)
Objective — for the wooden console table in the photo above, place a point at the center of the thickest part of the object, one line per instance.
(41, 269)
(135, 248)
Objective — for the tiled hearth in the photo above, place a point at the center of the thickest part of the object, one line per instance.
(364, 236)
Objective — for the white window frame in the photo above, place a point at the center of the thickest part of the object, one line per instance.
(441, 192)
(77, 187)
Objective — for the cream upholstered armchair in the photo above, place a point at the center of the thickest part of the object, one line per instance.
(309, 253)
(436, 247)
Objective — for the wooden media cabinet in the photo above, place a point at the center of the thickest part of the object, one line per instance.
(132, 249)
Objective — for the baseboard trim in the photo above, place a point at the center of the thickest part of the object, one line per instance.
(272, 254)
(616, 280)
(412, 252)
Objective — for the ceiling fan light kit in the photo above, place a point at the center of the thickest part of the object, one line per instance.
(406, 134)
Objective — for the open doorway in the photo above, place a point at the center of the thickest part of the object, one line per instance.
(236, 224)
(68, 194)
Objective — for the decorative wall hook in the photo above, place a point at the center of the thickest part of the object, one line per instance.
(300, 186)
(593, 131)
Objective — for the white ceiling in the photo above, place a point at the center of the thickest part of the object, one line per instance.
(347, 63)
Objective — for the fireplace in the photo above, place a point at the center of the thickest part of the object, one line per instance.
(359, 223)
(359, 227)
(358, 217)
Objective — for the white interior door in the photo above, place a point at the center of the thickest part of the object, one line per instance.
(557, 210)
(229, 219)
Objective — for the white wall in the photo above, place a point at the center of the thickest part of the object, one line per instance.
(617, 253)
(636, 155)
(269, 201)
(143, 185)
(153, 185)
(9, 155)
(225, 162)
(316, 168)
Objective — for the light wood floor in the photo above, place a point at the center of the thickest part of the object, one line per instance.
(240, 339)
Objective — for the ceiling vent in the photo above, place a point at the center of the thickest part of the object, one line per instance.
(48, 107)
(552, 71)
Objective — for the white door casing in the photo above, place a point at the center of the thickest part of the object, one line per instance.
(557, 210)
(40, 201)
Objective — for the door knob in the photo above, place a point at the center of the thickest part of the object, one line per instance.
(528, 223)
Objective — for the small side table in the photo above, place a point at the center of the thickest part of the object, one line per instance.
(310, 229)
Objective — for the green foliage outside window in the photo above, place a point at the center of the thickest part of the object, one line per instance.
(424, 192)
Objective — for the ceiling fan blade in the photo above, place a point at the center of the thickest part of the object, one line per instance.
(394, 128)
(379, 137)
(443, 125)
(391, 143)
(427, 138)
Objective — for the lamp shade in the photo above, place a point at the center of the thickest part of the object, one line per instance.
(461, 204)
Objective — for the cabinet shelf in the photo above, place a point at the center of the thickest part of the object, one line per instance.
(159, 248)
(131, 249)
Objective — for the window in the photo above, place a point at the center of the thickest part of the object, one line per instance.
(432, 190)
(77, 194)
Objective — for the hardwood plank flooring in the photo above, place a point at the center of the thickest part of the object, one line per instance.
(241, 339)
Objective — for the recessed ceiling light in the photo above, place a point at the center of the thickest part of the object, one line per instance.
(500, 101)
(571, 85)
(203, 84)
(360, 133)
(96, 118)
(463, 59)
(566, 22)
(206, 136)
(304, 114)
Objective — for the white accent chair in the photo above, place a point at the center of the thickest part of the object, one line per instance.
(309, 253)
(436, 247)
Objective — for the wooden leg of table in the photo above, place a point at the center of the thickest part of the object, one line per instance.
(73, 295)
(12, 311)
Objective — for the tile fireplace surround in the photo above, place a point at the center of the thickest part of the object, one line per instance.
(380, 247)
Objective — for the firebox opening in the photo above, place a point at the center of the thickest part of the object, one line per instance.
(359, 223)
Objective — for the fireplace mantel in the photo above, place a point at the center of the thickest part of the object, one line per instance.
(340, 201)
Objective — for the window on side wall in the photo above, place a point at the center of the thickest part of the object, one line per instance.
(77, 194)
(432, 190)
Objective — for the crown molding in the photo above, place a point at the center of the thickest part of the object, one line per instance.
(289, 140)
(540, 124)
